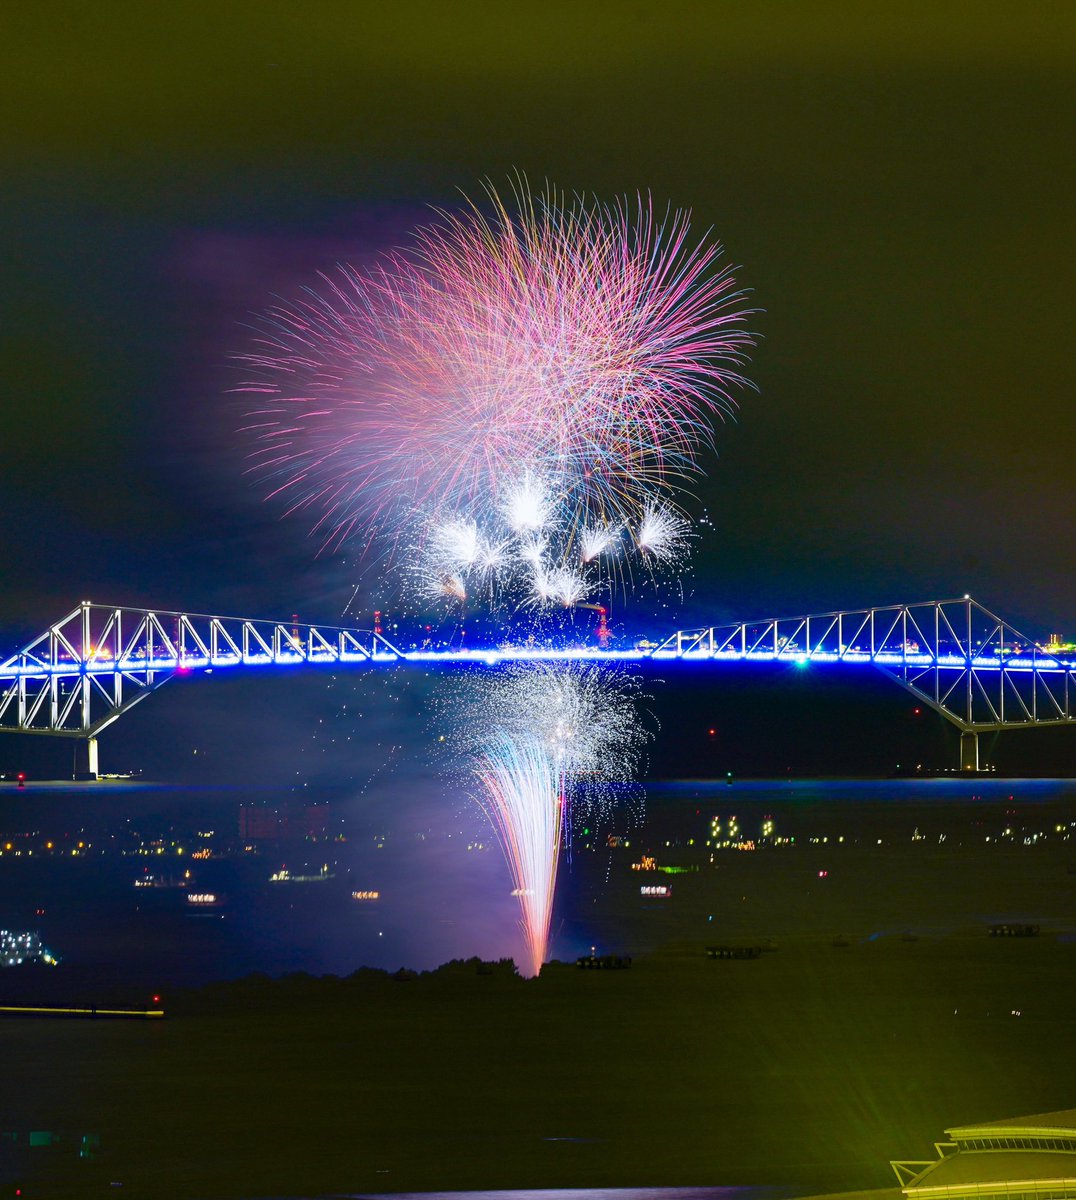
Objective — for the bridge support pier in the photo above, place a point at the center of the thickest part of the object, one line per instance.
(969, 751)
(86, 766)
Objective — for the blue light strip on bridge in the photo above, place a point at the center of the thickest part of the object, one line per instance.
(495, 657)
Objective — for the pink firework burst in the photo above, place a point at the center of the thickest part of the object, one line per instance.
(592, 344)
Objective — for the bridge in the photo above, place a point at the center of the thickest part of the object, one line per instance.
(955, 656)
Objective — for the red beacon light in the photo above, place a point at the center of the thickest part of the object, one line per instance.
(21, 777)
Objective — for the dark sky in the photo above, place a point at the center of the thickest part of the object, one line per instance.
(895, 179)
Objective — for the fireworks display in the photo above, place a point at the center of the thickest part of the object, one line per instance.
(511, 409)
(526, 556)
(519, 793)
(560, 364)
(545, 743)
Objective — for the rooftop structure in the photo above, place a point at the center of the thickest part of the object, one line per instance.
(1023, 1158)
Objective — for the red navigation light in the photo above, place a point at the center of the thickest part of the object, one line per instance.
(713, 732)
(156, 999)
(21, 777)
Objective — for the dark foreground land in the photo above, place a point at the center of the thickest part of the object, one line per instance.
(807, 1068)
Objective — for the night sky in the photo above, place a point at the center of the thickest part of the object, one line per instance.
(894, 181)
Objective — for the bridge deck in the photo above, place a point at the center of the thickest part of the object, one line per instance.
(955, 655)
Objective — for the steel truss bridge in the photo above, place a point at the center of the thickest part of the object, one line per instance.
(955, 656)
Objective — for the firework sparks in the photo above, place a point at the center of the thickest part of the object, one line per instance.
(532, 737)
(663, 534)
(532, 551)
(527, 506)
(569, 357)
(525, 560)
(451, 586)
(457, 543)
(567, 587)
(521, 799)
(597, 540)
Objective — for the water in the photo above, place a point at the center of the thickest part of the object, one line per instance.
(443, 889)
(858, 1047)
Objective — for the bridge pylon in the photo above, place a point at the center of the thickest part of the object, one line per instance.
(86, 762)
(969, 750)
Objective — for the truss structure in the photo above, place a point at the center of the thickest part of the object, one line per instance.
(92, 666)
(955, 656)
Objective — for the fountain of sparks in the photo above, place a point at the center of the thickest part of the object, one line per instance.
(545, 744)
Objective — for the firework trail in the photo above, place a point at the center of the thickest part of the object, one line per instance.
(598, 540)
(581, 348)
(663, 533)
(524, 805)
(545, 743)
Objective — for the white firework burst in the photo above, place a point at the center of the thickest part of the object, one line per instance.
(663, 534)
